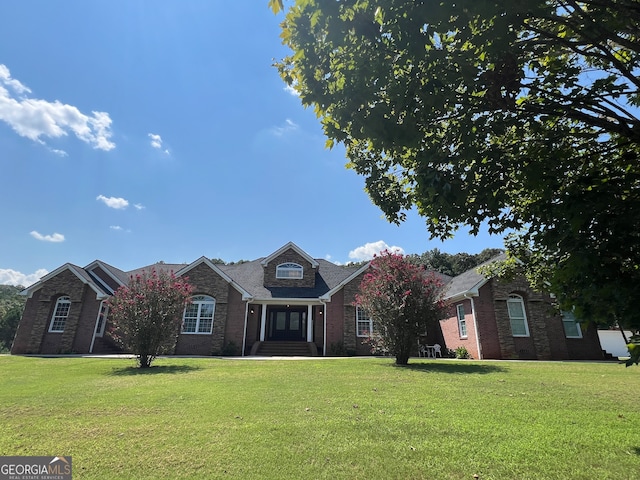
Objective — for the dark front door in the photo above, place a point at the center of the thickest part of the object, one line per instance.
(287, 323)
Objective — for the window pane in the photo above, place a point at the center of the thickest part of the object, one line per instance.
(60, 314)
(198, 315)
(515, 309)
(289, 270)
(294, 321)
(206, 310)
(518, 328)
(364, 325)
(205, 326)
(189, 325)
(571, 326)
(462, 323)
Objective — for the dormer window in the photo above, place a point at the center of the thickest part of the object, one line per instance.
(289, 270)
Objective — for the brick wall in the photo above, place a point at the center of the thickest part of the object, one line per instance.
(335, 321)
(253, 326)
(318, 328)
(289, 256)
(33, 335)
(451, 332)
(490, 337)
(206, 281)
(234, 330)
(352, 343)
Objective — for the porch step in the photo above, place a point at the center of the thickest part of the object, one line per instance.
(286, 349)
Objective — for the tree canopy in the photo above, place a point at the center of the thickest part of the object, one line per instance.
(517, 115)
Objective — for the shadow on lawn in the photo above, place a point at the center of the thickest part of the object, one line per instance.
(153, 369)
(452, 368)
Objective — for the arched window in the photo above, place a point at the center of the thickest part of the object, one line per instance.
(289, 270)
(60, 314)
(198, 315)
(517, 316)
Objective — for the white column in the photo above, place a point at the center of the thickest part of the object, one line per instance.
(309, 323)
(263, 322)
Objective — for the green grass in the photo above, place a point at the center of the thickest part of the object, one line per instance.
(358, 418)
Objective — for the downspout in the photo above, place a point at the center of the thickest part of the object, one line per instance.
(244, 333)
(475, 325)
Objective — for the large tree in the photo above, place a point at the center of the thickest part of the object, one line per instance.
(146, 314)
(518, 115)
(402, 300)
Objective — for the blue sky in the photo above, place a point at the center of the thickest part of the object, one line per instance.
(140, 131)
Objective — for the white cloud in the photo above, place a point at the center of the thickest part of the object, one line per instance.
(13, 277)
(156, 142)
(289, 126)
(35, 118)
(368, 250)
(55, 238)
(116, 227)
(113, 202)
(139, 206)
(328, 258)
(291, 91)
(15, 85)
(60, 153)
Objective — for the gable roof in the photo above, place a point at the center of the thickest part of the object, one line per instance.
(294, 247)
(469, 282)
(251, 276)
(79, 272)
(203, 260)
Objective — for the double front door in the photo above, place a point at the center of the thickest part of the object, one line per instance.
(287, 323)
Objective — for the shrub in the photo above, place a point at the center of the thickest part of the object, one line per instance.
(462, 352)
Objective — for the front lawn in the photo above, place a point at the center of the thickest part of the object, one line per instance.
(357, 418)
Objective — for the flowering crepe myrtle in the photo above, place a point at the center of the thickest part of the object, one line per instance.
(146, 314)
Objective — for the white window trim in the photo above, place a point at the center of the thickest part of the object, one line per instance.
(361, 311)
(289, 267)
(200, 300)
(60, 301)
(511, 298)
(569, 317)
(461, 321)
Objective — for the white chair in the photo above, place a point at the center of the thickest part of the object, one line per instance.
(437, 350)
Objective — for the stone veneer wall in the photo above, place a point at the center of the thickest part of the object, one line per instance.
(546, 335)
(33, 335)
(290, 256)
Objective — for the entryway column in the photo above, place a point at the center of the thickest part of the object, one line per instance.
(309, 323)
(263, 323)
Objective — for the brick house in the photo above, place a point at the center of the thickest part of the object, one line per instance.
(287, 303)
(496, 319)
